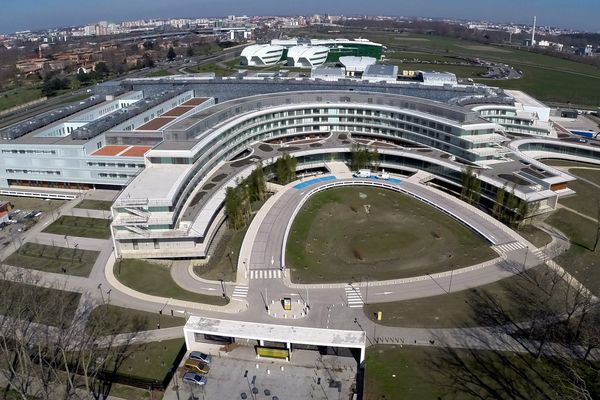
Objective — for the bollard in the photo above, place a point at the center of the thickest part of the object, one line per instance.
(268, 372)
(282, 367)
(256, 366)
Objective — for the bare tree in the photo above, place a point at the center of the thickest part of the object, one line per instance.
(49, 350)
(539, 336)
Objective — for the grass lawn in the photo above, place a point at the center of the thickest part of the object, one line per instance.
(53, 259)
(449, 310)
(548, 78)
(397, 373)
(589, 174)
(223, 263)
(335, 239)
(155, 279)
(102, 320)
(217, 69)
(129, 392)
(95, 205)
(31, 203)
(535, 235)
(567, 163)
(19, 96)
(392, 372)
(579, 260)
(46, 303)
(151, 360)
(586, 200)
(95, 228)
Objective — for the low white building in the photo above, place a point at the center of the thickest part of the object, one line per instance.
(356, 65)
(307, 56)
(434, 78)
(261, 55)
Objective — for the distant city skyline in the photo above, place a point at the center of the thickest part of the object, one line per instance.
(20, 15)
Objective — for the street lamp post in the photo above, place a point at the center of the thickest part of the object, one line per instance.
(101, 294)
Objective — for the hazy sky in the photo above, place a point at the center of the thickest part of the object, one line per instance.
(32, 14)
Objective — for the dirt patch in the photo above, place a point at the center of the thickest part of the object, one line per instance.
(218, 178)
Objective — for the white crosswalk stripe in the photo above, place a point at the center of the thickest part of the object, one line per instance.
(354, 297)
(539, 253)
(265, 273)
(512, 246)
(240, 292)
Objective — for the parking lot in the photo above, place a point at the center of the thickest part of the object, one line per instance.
(240, 375)
(25, 214)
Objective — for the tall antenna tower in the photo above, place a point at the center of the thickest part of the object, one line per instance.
(533, 31)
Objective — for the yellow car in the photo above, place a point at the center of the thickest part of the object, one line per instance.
(196, 366)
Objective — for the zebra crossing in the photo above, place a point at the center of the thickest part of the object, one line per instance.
(240, 292)
(511, 246)
(354, 297)
(265, 273)
(539, 253)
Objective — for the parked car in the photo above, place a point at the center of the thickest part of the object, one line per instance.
(194, 378)
(196, 366)
(199, 356)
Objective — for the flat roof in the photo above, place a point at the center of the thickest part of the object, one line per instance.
(155, 124)
(177, 111)
(135, 151)
(156, 182)
(196, 101)
(276, 333)
(109, 150)
(381, 70)
(525, 99)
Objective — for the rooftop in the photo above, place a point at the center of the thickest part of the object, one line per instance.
(525, 99)
(156, 182)
(276, 333)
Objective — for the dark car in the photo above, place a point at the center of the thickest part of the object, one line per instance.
(194, 378)
(199, 356)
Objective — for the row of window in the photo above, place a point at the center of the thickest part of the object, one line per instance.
(32, 171)
(48, 152)
(113, 165)
(121, 176)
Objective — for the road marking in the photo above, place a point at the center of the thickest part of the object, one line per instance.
(265, 274)
(384, 293)
(240, 292)
(511, 246)
(539, 253)
(353, 297)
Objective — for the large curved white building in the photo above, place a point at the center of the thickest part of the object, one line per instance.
(261, 55)
(307, 56)
(174, 207)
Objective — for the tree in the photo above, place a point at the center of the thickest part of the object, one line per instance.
(257, 184)
(498, 208)
(171, 55)
(190, 51)
(285, 169)
(471, 186)
(541, 330)
(148, 45)
(47, 348)
(53, 85)
(101, 69)
(362, 157)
